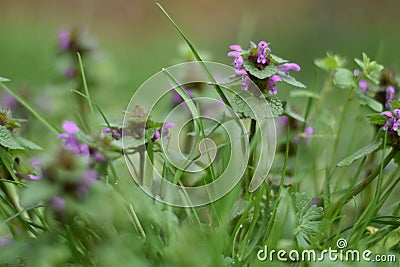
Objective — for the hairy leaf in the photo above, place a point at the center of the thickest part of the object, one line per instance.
(377, 119)
(343, 78)
(7, 140)
(370, 102)
(260, 74)
(362, 152)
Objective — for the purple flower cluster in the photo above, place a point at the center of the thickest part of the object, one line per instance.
(392, 121)
(74, 145)
(163, 130)
(260, 56)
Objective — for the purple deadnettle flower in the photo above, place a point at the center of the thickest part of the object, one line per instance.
(8, 101)
(363, 85)
(262, 51)
(58, 203)
(309, 131)
(393, 120)
(287, 67)
(390, 92)
(64, 39)
(71, 142)
(117, 132)
(272, 82)
(237, 48)
(238, 61)
(164, 131)
(34, 177)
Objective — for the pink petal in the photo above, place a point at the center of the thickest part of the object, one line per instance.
(70, 127)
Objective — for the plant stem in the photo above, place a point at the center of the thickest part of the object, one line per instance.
(356, 190)
(246, 181)
(273, 214)
(339, 132)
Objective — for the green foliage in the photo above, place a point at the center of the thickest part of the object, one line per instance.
(252, 107)
(308, 219)
(370, 102)
(362, 152)
(303, 93)
(377, 119)
(344, 78)
(260, 74)
(330, 62)
(290, 80)
(2, 79)
(7, 140)
(371, 69)
(277, 60)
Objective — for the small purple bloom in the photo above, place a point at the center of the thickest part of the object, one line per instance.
(8, 101)
(71, 142)
(58, 203)
(272, 82)
(287, 67)
(237, 48)
(34, 177)
(69, 73)
(117, 132)
(64, 39)
(357, 72)
(70, 127)
(393, 121)
(164, 131)
(309, 131)
(363, 85)
(238, 62)
(387, 114)
(233, 54)
(390, 93)
(262, 51)
(35, 162)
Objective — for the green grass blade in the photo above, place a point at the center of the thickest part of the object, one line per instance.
(85, 86)
(197, 56)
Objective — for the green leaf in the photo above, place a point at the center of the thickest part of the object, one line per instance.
(2, 79)
(239, 208)
(275, 104)
(371, 69)
(395, 104)
(7, 140)
(377, 119)
(250, 106)
(295, 116)
(370, 102)
(290, 80)
(343, 78)
(362, 152)
(330, 62)
(308, 219)
(28, 144)
(303, 93)
(277, 60)
(260, 74)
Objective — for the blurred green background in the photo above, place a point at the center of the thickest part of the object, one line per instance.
(135, 39)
